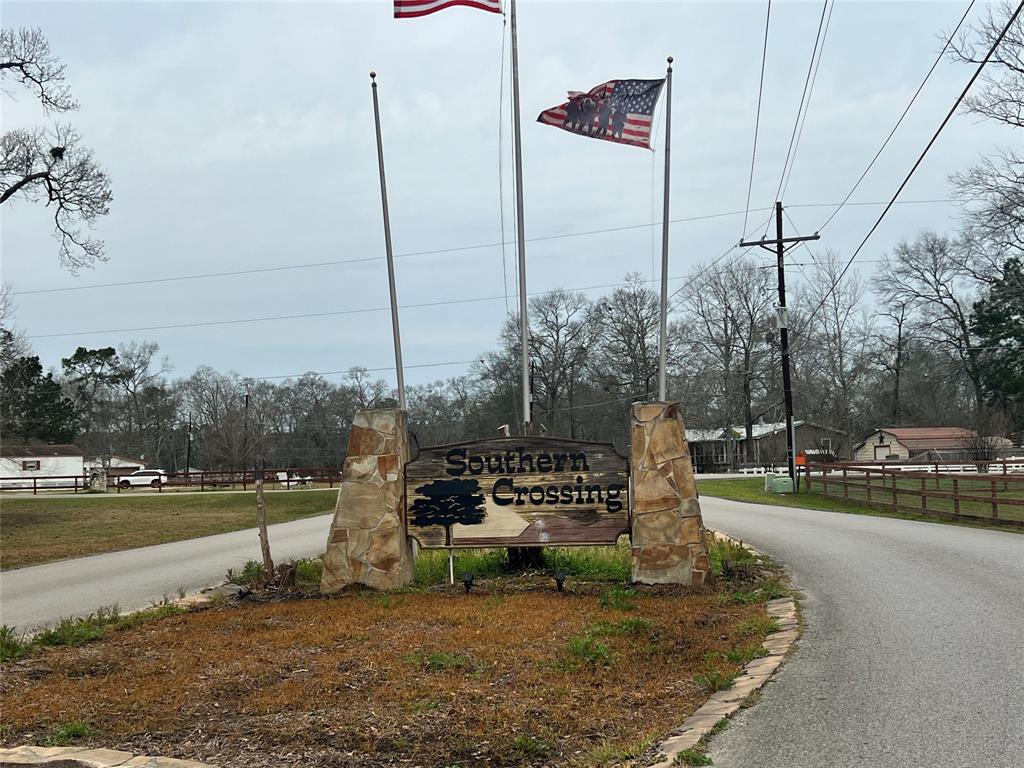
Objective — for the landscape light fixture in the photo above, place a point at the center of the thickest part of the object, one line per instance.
(559, 580)
(467, 581)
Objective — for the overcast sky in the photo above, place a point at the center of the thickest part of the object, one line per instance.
(240, 136)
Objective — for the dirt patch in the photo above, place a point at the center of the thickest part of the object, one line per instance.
(512, 674)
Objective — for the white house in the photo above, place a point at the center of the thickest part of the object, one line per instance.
(115, 465)
(19, 462)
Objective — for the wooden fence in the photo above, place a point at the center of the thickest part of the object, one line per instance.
(995, 497)
(291, 477)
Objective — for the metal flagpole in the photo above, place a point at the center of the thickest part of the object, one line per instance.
(524, 324)
(387, 246)
(663, 336)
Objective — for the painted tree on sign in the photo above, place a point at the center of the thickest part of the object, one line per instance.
(447, 502)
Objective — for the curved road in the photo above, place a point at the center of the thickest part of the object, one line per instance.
(136, 578)
(913, 647)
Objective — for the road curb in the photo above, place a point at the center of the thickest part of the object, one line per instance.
(89, 758)
(756, 673)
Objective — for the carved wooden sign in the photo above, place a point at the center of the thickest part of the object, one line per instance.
(517, 492)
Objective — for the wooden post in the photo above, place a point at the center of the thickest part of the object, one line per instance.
(924, 498)
(867, 479)
(846, 485)
(34, 489)
(895, 496)
(956, 496)
(995, 502)
(261, 519)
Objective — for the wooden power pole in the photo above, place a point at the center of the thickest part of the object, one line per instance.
(779, 247)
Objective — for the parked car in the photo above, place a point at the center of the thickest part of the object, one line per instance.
(143, 477)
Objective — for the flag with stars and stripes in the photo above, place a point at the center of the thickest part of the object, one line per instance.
(619, 110)
(410, 9)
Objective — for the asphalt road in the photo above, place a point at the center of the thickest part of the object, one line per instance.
(135, 578)
(913, 647)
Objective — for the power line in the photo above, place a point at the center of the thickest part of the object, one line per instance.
(457, 249)
(917, 163)
(370, 370)
(309, 315)
(803, 97)
(900, 120)
(757, 119)
(810, 93)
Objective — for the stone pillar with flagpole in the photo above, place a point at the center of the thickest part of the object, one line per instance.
(524, 322)
(663, 334)
(387, 246)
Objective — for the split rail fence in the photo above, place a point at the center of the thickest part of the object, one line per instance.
(996, 496)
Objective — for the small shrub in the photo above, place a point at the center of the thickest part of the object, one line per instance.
(66, 733)
(11, 645)
(591, 563)
(722, 551)
(250, 575)
(432, 564)
(584, 648)
(618, 598)
(308, 572)
(760, 625)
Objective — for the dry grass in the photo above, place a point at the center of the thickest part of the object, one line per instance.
(43, 529)
(423, 678)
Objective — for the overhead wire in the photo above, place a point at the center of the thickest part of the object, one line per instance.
(757, 118)
(906, 109)
(810, 93)
(803, 98)
(433, 252)
(917, 163)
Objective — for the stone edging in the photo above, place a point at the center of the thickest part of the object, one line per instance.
(93, 758)
(756, 673)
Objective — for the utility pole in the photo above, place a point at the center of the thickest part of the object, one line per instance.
(188, 452)
(779, 247)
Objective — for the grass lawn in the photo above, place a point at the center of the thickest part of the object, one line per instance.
(39, 530)
(512, 674)
(752, 490)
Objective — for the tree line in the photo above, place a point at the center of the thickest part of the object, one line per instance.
(934, 337)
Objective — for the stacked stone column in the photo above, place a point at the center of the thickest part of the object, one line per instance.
(367, 543)
(668, 533)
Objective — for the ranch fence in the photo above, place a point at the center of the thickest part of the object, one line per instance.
(283, 478)
(994, 496)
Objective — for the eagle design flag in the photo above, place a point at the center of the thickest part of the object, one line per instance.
(619, 110)
(410, 9)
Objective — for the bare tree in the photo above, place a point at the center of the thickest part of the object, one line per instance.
(51, 165)
(929, 276)
(992, 192)
(624, 360)
(13, 342)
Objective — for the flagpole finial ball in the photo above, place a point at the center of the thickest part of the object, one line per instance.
(373, 75)
(670, 59)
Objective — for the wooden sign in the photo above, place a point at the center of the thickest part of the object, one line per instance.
(517, 492)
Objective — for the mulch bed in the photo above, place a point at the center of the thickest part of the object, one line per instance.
(420, 678)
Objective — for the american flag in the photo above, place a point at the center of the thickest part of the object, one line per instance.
(410, 9)
(619, 110)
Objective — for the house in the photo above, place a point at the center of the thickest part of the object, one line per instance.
(914, 443)
(114, 464)
(722, 449)
(28, 461)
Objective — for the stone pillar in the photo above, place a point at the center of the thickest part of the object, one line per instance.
(668, 532)
(368, 543)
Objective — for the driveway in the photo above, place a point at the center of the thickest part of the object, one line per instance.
(135, 578)
(913, 648)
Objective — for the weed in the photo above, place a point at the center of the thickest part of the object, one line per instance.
(432, 565)
(440, 660)
(308, 572)
(618, 598)
(767, 590)
(745, 654)
(614, 753)
(70, 631)
(251, 574)
(760, 625)
(691, 757)
(713, 679)
(11, 645)
(725, 554)
(66, 733)
(632, 625)
(530, 746)
(585, 648)
(591, 563)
